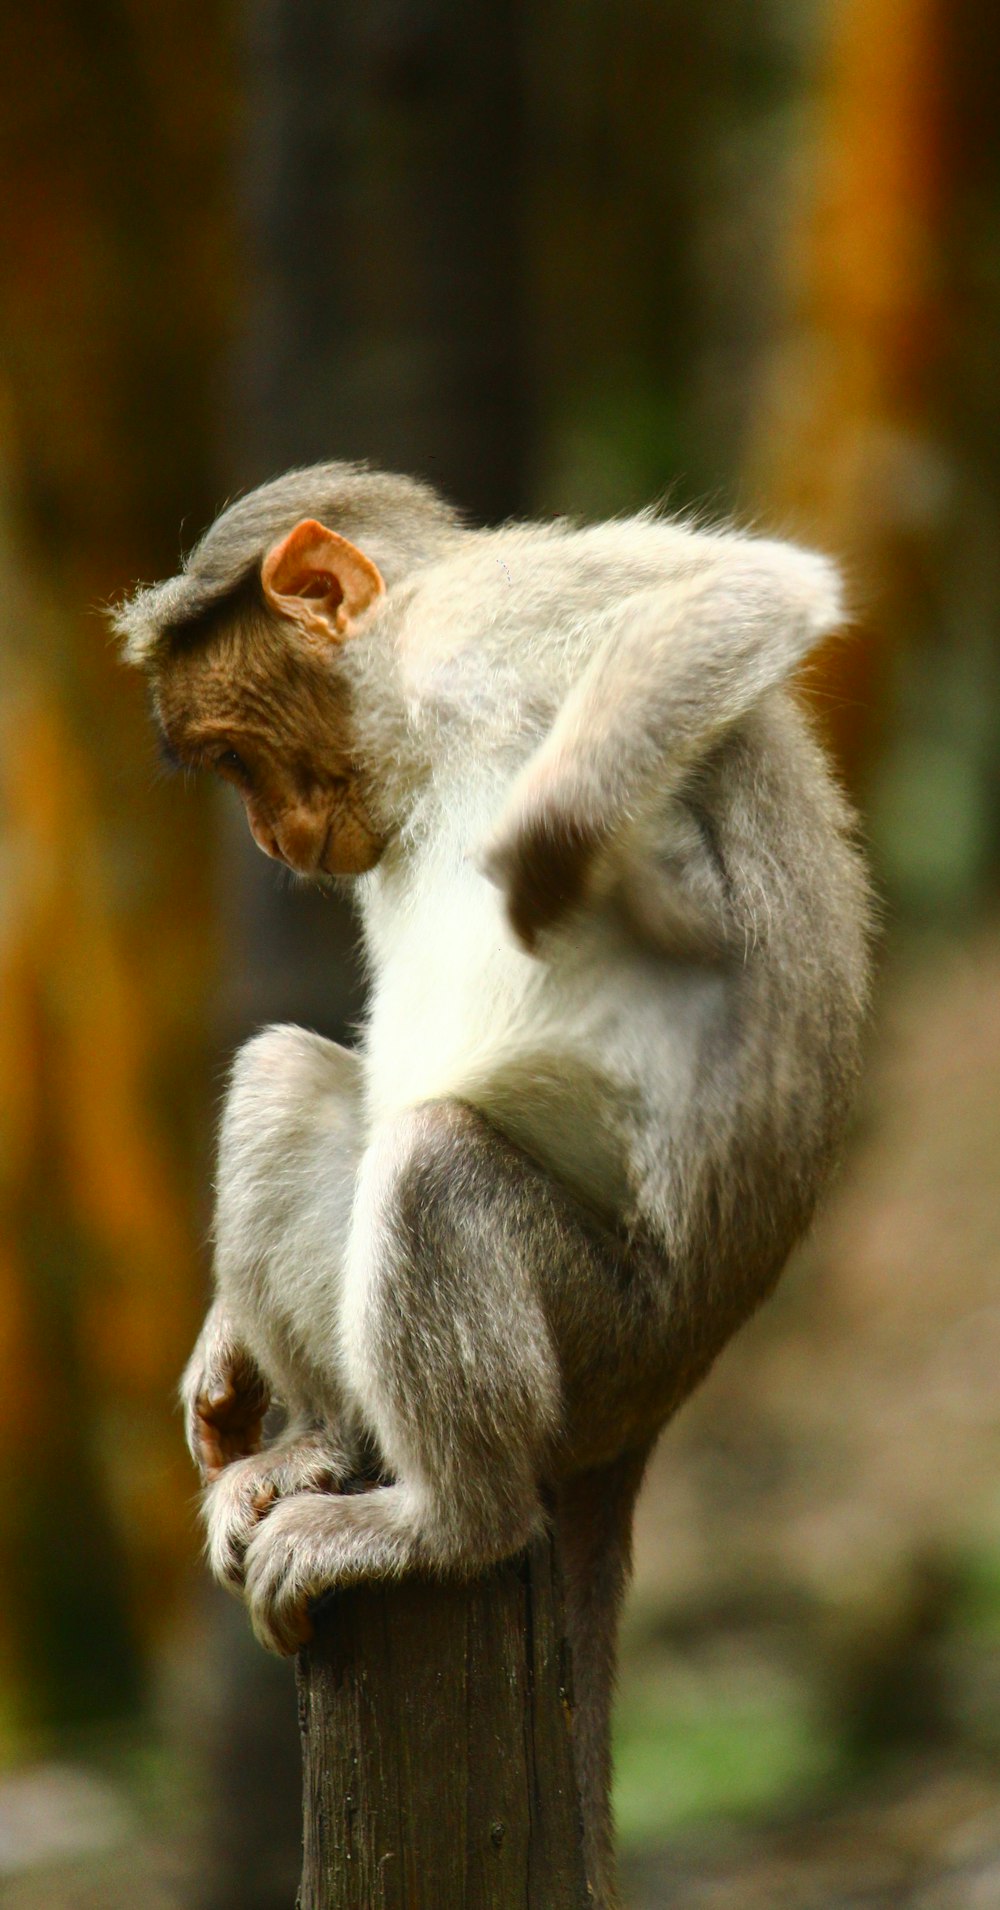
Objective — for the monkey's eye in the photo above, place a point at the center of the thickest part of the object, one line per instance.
(230, 764)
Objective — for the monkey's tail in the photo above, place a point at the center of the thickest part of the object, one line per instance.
(593, 1519)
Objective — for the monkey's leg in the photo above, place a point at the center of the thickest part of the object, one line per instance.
(449, 1357)
(494, 1337)
(289, 1151)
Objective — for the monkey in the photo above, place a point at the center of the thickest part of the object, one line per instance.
(617, 927)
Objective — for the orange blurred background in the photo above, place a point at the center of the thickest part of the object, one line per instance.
(560, 258)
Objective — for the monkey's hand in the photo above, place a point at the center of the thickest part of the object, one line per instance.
(243, 1494)
(543, 853)
(225, 1397)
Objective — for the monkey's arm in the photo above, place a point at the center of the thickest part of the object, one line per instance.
(672, 669)
(289, 1149)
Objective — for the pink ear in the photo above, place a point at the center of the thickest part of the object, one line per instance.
(317, 577)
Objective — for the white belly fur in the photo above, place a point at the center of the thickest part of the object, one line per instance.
(558, 1051)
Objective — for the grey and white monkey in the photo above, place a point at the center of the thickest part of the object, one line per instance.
(617, 933)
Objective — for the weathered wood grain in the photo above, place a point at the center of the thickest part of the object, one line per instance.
(436, 1729)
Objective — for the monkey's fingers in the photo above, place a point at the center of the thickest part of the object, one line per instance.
(543, 869)
(229, 1417)
(218, 1448)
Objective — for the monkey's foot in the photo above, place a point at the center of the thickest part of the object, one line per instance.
(311, 1543)
(244, 1493)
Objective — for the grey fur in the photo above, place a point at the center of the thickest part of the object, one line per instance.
(412, 523)
(504, 1244)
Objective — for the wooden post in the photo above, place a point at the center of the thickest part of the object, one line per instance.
(436, 1725)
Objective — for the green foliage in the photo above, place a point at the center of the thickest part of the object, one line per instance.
(737, 1739)
(977, 1591)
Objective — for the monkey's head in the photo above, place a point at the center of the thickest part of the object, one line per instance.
(261, 697)
(250, 652)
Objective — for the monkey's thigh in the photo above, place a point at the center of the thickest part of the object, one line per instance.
(494, 1323)
(288, 1159)
(447, 1349)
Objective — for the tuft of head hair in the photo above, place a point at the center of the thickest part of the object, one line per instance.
(398, 522)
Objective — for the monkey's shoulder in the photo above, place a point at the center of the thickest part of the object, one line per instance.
(521, 607)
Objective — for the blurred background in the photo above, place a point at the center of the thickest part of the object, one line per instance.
(556, 256)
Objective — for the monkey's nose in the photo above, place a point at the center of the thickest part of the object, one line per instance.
(266, 839)
(301, 841)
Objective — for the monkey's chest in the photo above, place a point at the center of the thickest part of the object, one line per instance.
(460, 1012)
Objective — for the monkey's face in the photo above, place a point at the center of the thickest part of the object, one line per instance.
(269, 711)
(264, 700)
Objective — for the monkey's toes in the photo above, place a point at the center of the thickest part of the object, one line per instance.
(285, 1627)
(235, 1503)
(282, 1579)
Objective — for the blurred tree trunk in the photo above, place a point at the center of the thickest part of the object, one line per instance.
(657, 200)
(878, 437)
(844, 452)
(385, 191)
(112, 305)
(383, 205)
(382, 186)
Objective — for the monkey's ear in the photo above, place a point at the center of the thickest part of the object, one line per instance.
(321, 580)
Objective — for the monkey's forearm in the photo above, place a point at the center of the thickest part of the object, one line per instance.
(673, 669)
(291, 1092)
(289, 1147)
(680, 664)
(287, 1160)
